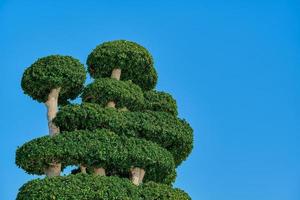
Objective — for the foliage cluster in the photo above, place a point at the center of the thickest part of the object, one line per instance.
(100, 148)
(123, 93)
(162, 128)
(88, 187)
(134, 60)
(160, 101)
(129, 95)
(53, 72)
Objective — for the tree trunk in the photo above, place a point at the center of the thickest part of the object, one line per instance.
(52, 104)
(54, 169)
(83, 169)
(116, 73)
(142, 174)
(99, 171)
(111, 104)
(137, 175)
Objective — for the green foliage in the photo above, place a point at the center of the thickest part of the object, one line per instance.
(100, 148)
(123, 93)
(149, 135)
(160, 101)
(79, 187)
(89, 187)
(134, 60)
(129, 95)
(154, 191)
(160, 127)
(114, 171)
(52, 72)
(148, 80)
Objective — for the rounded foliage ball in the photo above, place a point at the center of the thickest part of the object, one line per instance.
(83, 187)
(162, 128)
(52, 72)
(160, 101)
(98, 148)
(123, 93)
(135, 62)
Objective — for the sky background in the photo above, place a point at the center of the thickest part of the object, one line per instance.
(233, 67)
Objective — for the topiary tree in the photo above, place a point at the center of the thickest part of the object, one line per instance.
(123, 60)
(125, 138)
(54, 80)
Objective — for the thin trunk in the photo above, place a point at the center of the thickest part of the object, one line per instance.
(116, 73)
(137, 175)
(83, 169)
(89, 98)
(142, 174)
(99, 171)
(52, 104)
(111, 104)
(54, 168)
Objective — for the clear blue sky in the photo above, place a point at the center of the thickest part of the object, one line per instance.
(233, 67)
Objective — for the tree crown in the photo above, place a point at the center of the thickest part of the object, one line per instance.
(134, 60)
(52, 72)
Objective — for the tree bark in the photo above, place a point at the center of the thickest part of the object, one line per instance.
(54, 168)
(99, 171)
(111, 104)
(116, 73)
(88, 98)
(137, 175)
(52, 104)
(142, 174)
(83, 169)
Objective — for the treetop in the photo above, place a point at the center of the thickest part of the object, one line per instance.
(134, 60)
(51, 72)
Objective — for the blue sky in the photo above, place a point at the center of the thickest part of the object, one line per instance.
(233, 67)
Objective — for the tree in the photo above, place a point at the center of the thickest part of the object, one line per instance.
(125, 137)
(52, 80)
